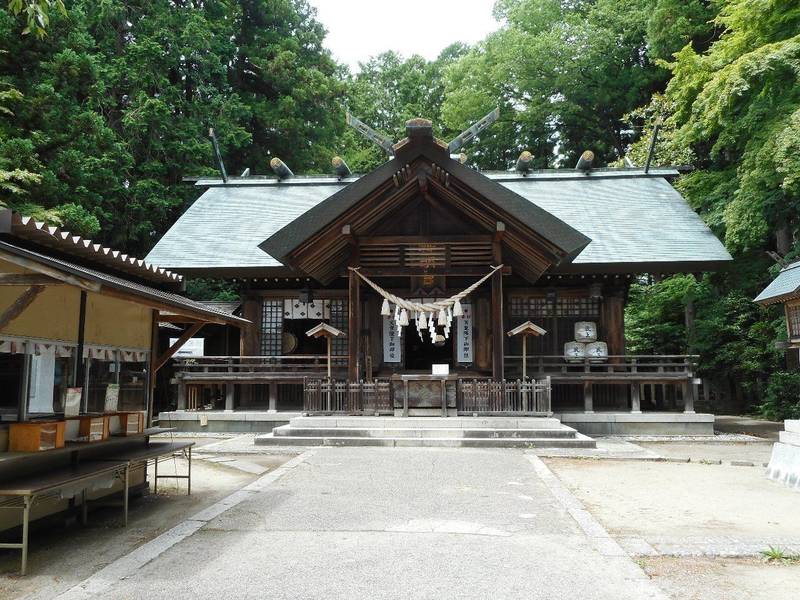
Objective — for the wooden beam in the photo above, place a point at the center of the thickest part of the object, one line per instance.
(415, 271)
(42, 269)
(170, 352)
(20, 304)
(23, 279)
(172, 318)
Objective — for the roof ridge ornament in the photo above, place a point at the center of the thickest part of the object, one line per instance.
(382, 141)
(471, 132)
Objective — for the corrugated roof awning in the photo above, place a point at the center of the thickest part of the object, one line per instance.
(97, 281)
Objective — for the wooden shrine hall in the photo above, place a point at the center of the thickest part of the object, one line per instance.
(381, 257)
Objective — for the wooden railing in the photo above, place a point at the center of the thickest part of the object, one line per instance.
(330, 396)
(488, 397)
(613, 368)
(253, 367)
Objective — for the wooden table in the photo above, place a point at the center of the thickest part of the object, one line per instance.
(62, 483)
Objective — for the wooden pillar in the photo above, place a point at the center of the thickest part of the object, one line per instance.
(354, 326)
(498, 357)
(636, 403)
(613, 315)
(273, 397)
(181, 395)
(78, 367)
(152, 371)
(588, 402)
(228, 397)
(250, 342)
(688, 397)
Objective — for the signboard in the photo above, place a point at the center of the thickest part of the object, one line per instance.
(192, 347)
(464, 335)
(440, 369)
(391, 341)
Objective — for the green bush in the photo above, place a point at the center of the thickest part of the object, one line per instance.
(782, 399)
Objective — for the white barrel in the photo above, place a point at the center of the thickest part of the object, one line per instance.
(597, 351)
(585, 331)
(574, 351)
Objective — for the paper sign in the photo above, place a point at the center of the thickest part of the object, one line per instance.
(441, 369)
(192, 347)
(464, 334)
(391, 341)
(112, 397)
(72, 402)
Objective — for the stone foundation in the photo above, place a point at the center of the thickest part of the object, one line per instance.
(784, 466)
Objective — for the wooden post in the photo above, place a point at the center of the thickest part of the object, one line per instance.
(524, 357)
(498, 367)
(354, 326)
(330, 345)
(78, 369)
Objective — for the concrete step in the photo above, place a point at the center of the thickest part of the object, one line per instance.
(354, 422)
(419, 432)
(580, 441)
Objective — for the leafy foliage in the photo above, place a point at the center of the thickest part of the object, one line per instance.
(37, 13)
(781, 398)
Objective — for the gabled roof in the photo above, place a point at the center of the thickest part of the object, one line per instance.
(637, 222)
(786, 286)
(27, 228)
(543, 223)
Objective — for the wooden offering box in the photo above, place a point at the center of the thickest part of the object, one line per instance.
(126, 423)
(36, 436)
(90, 428)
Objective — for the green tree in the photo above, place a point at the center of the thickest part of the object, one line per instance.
(117, 102)
(564, 75)
(387, 91)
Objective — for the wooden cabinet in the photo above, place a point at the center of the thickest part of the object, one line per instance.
(36, 436)
(88, 428)
(126, 423)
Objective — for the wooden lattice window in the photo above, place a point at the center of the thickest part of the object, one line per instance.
(533, 307)
(578, 307)
(272, 328)
(793, 320)
(339, 319)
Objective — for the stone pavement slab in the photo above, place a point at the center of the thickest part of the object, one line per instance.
(397, 523)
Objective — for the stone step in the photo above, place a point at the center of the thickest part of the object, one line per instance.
(419, 432)
(580, 441)
(354, 422)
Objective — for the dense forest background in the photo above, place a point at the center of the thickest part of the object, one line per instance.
(105, 106)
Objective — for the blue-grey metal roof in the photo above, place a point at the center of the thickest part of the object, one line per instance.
(629, 216)
(786, 285)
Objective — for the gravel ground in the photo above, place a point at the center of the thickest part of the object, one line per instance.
(728, 579)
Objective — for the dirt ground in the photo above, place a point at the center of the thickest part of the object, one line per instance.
(675, 501)
(54, 565)
(701, 578)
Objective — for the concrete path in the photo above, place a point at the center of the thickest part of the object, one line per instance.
(379, 523)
